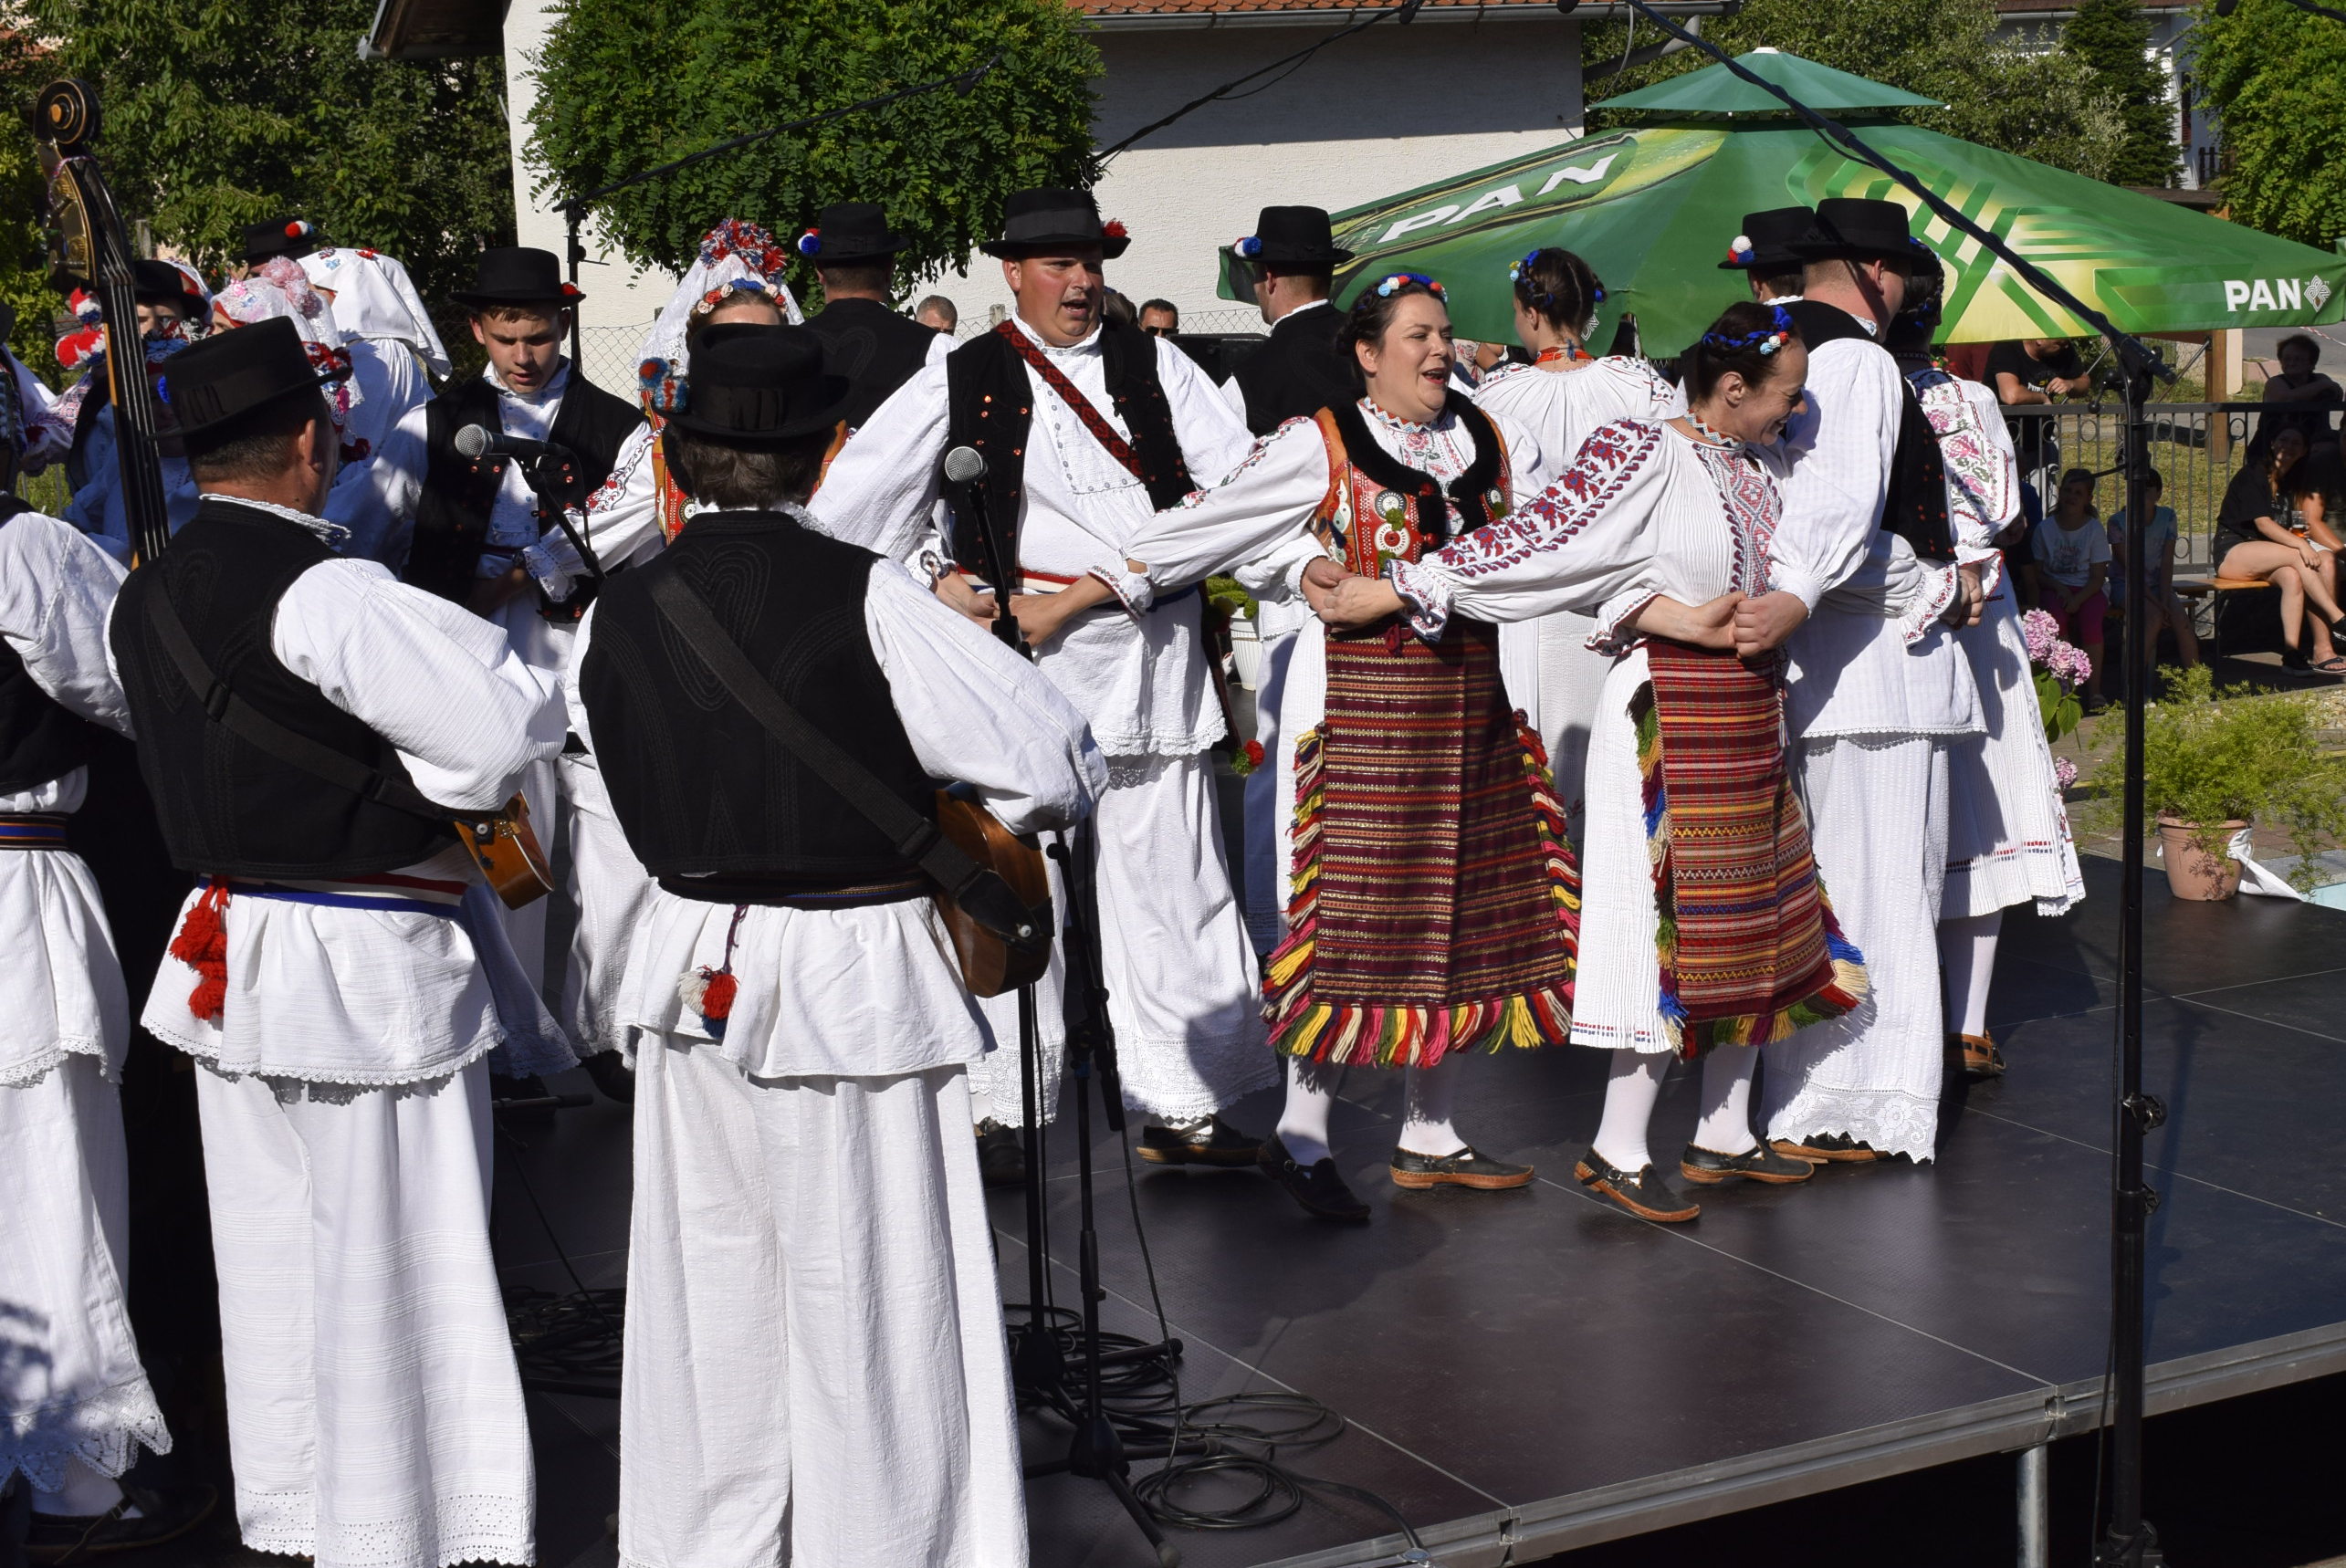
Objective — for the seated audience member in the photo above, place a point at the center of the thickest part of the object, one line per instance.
(2159, 565)
(2269, 544)
(2072, 552)
(2301, 384)
(2028, 372)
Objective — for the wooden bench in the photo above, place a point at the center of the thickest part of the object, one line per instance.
(2212, 588)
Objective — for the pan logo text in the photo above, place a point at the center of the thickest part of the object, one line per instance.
(2275, 294)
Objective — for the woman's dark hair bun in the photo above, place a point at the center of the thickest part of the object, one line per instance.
(1748, 338)
(1558, 287)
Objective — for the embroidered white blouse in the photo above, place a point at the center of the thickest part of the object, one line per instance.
(1142, 682)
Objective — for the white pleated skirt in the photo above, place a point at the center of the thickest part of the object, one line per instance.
(2008, 830)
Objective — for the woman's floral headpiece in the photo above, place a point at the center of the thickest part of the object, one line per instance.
(1767, 339)
(1403, 279)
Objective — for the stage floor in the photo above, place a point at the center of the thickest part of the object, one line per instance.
(1533, 1370)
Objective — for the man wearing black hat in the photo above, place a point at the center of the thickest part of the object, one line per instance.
(1292, 257)
(76, 1407)
(1763, 253)
(1865, 565)
(814, 1366)
(473, 529)
(1086, 429)
(171, 312)
(292, 238)
(864, 339)
(308, 725)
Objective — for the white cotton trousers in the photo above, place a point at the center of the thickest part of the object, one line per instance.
(71, 1387)
(1266, 812)
(1617, 989)
(816, 1369)
(612, 895)
(1878, 816)
(375, 1410)
(1183, 989)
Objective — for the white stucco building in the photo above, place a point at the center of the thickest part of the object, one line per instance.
(2038, 24)
(1466, 83)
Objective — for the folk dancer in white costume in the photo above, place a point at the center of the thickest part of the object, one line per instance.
(387, 333)
(1291, 259)
(1563, 394)
(1087, 428)
(75, 1404)
(1409, 950)
(474, 532)
(736, 280)
(815, 1365)
(2008, 839)
(341, 976)
(1878, 693)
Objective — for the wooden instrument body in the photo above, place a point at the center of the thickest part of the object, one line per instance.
(87, 245)
(990, 966)
(504, 847)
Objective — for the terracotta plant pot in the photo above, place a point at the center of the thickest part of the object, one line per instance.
(2192, 872)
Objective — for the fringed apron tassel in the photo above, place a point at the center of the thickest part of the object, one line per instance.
(710, 992)
(202, 945)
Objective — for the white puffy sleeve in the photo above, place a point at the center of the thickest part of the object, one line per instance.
(439, 683)
(883, 488)
(56, 588)
(377, 504)
(1261, 516)
(977, 714)
(1835, 458)
(1586, 540)
(618, 522)
(1214, 439)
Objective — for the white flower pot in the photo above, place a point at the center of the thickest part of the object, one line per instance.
(1245, 651)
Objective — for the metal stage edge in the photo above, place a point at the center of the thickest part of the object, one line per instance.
(2013, 1424)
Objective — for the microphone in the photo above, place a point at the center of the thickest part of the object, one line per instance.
(480, 441)
(963, 464)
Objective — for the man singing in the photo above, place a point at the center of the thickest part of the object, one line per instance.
(1086, 429)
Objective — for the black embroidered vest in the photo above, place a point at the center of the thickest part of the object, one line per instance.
(226, 806)
(452, 517)
(40, 738)
(1298, 372)
(990, 400)
(700, 789)
(875, 348)
(1915, 507)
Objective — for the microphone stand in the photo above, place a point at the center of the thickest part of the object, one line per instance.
(1095, 1450)
(2128, 1541)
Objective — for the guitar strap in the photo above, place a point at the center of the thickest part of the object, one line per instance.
(980, 894)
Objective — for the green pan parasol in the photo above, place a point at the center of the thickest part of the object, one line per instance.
(1652, 209)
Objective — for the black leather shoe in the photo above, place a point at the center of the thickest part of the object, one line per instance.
(1643, 1195)
(1318, 1189)
(1758, 1163)
(1212, 1142)
(612, 1075)
(1002, 1155)
(66, 1539)
(1464, 1168)
(1829, 1148)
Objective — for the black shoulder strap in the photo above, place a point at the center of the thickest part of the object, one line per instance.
(256, 729)
(981, 895)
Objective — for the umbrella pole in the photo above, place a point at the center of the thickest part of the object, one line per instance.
(2130, 1541)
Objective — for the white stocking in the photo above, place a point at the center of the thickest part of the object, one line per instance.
(1303, 1123)
(1726, 1124)
(84, 1493)
(1967, 954)
(1630, 1096)
(1429, 1095)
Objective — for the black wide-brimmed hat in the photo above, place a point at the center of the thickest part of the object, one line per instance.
(851, 231)
(1855, 228)
(1034, 222)
(760, 386)
(519, 275)
(160, 281)
(217, 381)
(1763, 246)
(1292, 236)
(292, 237)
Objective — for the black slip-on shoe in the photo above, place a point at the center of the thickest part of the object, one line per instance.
(1981, 1057)
(61, 1540)
(612, 1075)
(1643, 1195)
(1758, 1163)
(1463, 1168)
(1319, 1189)
(1211, 1142)
(1002, 1155)
(1829, 1148)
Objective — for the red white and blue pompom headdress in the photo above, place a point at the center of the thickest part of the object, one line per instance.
(1739, 250)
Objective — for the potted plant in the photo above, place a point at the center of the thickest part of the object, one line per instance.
(2216, 762)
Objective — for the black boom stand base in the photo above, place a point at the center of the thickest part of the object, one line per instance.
(1097, 1450)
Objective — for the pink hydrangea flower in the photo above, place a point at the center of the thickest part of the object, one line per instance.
(2068, 663)
(2040, 631)
(2065, 772)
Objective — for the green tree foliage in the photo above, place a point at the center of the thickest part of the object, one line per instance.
(24, 68)
(2272, 75)
(220, 115)
(2042, 104)
(2112, 39)
(625, 85)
